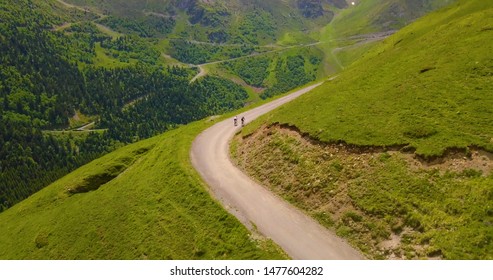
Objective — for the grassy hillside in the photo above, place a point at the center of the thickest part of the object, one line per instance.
(376, 15)
(250, 22)
(395, 153)
(427, 87)
(352, 31)
(143, 201)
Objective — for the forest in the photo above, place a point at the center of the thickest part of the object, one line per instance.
(146, 27)
(278, 73)
(47, 76)
(290, 74)
(196, 53)
(253, 70)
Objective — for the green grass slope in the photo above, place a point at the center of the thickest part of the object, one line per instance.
(250, 22)
(428, 87)
(352, 31)
(143, 201)
(376, 15)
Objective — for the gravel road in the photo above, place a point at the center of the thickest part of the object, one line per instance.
(300, 236)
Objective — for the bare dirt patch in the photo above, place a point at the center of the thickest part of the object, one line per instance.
(478, 160)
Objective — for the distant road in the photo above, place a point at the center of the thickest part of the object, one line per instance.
(299, 235)
(101, 16)
(86, 127)
(360, 39)
(203, 72)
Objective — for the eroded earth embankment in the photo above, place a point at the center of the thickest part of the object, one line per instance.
(387, 202)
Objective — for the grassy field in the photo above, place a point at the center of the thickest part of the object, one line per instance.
(143, 201)
(428, 88)
(378, 15)
(395, 157)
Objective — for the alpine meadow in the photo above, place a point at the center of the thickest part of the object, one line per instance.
(101, 102)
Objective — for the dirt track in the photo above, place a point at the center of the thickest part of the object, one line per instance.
(300, 236)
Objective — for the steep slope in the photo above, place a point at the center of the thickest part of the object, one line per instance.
(372, 16)
(143, 201)
(395, 154)
(429, 87)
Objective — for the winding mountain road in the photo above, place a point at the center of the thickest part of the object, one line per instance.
(203, 72)
(299, 235)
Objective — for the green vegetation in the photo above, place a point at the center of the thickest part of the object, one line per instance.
(376, 15)
(149, 26)
(81, 38)
(207, 14)
(106, 58)
(143, 201)
(421, 88)
(423, 91)
(292, 70)
(252, 70)
(256, 28)
(290, 74)
(47, 76)
(279, 72)
(173, 101)
(127, 48)
(199, 53)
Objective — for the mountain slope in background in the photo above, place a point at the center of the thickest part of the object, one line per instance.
(429, 71)
(265, 22)
(396, 153)
(372, 16)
